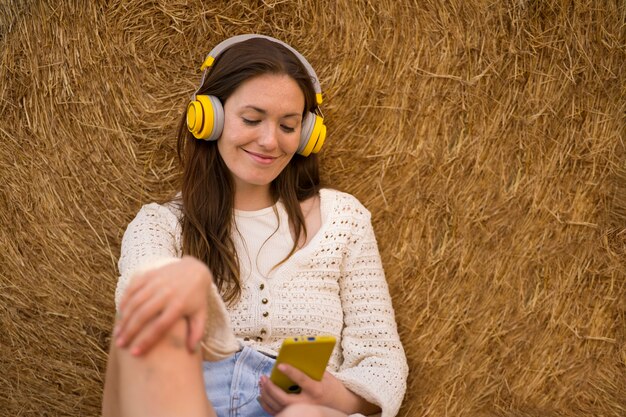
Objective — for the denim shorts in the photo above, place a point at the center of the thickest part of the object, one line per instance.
(232, 384)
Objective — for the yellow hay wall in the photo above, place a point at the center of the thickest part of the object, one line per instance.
(486, 137)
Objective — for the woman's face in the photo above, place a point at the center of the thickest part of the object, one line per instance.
(262, 123)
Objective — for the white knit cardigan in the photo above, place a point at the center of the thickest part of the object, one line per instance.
(335, 285)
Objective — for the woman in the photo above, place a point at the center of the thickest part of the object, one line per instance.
(254, 243)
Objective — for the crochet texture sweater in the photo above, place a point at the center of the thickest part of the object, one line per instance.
(335, 285)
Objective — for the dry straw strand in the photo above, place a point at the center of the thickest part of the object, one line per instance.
(486, 138)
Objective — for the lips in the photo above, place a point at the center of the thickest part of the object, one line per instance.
(261, 158)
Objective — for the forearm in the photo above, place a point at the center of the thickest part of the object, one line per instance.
(350, 403)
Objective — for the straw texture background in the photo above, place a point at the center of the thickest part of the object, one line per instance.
(486, 137)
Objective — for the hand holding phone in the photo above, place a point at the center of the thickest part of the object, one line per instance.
(310, 354)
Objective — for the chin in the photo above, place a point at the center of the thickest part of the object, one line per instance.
(259, 182)
(262, 179)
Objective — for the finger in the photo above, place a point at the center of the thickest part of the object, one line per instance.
(196, 330)
(155, 331)
(138, 317)
(138, 280)
(134, 303)
(275, 395)
(295, 375)
(268, 396)
(131, 303)
(266, 407)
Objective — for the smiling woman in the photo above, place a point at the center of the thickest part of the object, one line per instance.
(261, 134)
(254, 243)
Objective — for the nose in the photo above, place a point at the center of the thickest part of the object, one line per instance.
(269, 136)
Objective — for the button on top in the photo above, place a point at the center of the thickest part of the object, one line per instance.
(264, 301)
(262, 286)
(265, 314)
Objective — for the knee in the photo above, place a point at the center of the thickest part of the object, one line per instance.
(169, 346)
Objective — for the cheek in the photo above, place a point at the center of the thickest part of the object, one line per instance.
(230, 139)
(230, 130)
(292, 144)
(227, 151)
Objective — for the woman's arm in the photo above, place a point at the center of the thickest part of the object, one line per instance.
(372, 375)
(158, 298)
(152, 236)
(374, 365)
(328, 392)
(153, 291)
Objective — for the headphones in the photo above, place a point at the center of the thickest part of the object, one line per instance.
(205, 113)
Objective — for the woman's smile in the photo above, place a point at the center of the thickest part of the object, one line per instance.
(261, 158)
(262, 125)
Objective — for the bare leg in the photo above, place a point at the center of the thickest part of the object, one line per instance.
(110, 397)
(165, 382)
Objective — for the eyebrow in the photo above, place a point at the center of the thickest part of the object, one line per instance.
(259, 110)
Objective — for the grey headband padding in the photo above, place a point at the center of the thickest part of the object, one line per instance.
(307, 128)
(222, 46)
(218, 118)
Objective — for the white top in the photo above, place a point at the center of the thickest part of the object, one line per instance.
(335, 285)
(265, 240)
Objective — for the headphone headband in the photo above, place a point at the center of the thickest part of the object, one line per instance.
(222, 46)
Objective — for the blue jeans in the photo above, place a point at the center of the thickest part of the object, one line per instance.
(232, 384)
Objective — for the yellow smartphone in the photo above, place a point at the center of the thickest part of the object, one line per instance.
(310, 354)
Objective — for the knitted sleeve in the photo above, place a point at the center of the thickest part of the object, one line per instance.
(153, 235)
(152, 240)
(374, 364)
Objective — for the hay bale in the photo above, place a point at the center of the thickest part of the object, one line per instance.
(486, 138)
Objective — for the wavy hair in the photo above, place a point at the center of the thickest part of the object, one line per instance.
(207, 191)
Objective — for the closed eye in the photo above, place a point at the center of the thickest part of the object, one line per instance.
(287, 129)
(250, 122)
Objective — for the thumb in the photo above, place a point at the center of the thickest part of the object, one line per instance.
(294, 374)
(196, 331)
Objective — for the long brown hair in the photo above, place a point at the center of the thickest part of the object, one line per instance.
(207, 185)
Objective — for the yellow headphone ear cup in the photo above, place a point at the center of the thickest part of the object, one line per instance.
(205, 117)
(313, 129)
(194, 117)
(320, 140)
